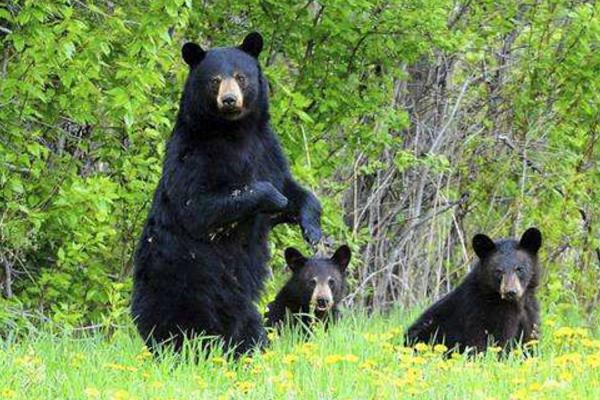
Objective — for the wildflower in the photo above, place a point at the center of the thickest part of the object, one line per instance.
(418, 360)
(289, 359)
(121, 395)
(244, 386)
(219, 361)
(157, 385)
(229, 374)
(351, 358)
(257, 369)
(7, 393)
(494, 349)
(593, 360)
(565, 376)
(144, 354)
(532, 343)
(333, 359)
(440, 348)
(92, 392)
(367, 364)
(247, 360)
(77, 360)
(536, 387)
(421, 347)
(273, 335)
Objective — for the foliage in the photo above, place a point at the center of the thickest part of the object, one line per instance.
(418, 123)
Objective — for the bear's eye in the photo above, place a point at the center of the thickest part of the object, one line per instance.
(240, 78)
(215, 81)
(498, 272)
(519, 269)
(313, 282)
(331, 282)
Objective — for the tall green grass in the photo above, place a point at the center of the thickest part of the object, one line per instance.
(359, 358)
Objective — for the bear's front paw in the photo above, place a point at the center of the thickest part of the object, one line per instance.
(274, 200)
(311, 232)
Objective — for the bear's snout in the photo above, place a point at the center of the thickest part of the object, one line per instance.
(230, 99)
(322, 297)
(322, 302)
(510, 287)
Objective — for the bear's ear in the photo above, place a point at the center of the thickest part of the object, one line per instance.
(294, 259)
(531, 240)
(192, 53)
(341, 257)
(252, 44)
(483, 245)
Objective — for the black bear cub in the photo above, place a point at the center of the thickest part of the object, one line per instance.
(494, 305)
(314, 290)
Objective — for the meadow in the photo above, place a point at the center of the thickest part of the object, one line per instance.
(359, 358)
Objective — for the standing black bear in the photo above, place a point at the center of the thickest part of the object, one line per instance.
(201, 260)
(494, 304)
(314, 290)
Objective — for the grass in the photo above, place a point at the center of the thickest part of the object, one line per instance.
(360, 358)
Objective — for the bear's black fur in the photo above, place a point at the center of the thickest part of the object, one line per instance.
(201, 260)
(314, 290)
(495, 303)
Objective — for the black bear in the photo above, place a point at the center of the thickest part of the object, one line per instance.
(314, 290)
(494, 305)
(201, 260)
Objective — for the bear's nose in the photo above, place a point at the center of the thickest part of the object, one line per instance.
(229, 100)
(322, 302)
(510, 294)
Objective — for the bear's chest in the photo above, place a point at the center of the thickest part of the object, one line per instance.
(231, 164)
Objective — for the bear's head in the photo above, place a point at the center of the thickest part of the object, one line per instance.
(225, 83)
(319, 282)
(508, 267)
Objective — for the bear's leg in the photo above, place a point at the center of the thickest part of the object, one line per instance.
(304, 208)
(249, 334)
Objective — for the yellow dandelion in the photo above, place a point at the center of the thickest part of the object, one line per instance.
(247, 360)
(565, 376)
(92, 392)
(418, 360)
(333, 359)
(370, 337)
(256, 370)
(156, 385)
(440, 348)
(144, 354)
(593, 360)
(536, 387)
(273, 336)
(219, 361)
(7, 393)
(121, 395)
(244, 386)
(201, 383)
(229, 374)
(351, 358)
(289, 359)
(421, 347)
(494, 349)
(367, 364)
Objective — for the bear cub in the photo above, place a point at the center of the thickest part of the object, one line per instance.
(494, 305)
(314, 290)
